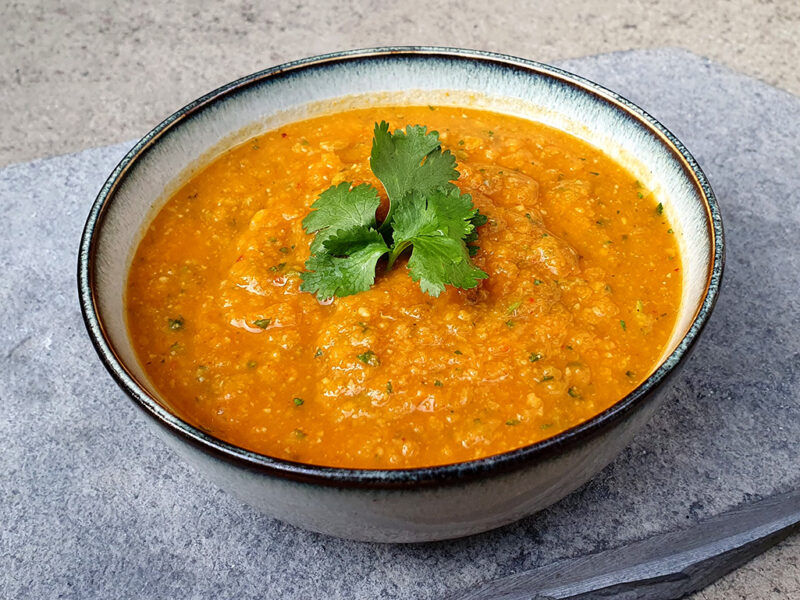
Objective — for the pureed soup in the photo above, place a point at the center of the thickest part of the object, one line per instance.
(581, 296)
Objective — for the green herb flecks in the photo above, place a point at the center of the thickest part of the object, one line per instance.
(175, 324)
(369, 358)
(512, 308)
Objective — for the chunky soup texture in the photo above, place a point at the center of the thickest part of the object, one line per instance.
(582, 296)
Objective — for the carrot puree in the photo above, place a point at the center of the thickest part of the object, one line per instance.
(582, 296)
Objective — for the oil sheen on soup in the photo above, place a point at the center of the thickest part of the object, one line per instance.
(583, 289)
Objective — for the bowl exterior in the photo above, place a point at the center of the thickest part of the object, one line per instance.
(426, 512)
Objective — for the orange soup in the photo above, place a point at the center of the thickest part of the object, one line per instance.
(582, 294)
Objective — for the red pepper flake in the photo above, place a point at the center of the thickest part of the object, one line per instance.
(283, 135)
(241, 256)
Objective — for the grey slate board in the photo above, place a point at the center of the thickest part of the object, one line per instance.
(659, 567)
(93, 506)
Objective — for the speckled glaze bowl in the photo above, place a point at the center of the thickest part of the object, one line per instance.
(420, 504)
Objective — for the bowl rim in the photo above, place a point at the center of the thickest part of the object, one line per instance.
(452, 473)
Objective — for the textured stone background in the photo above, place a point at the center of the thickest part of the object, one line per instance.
(75, 76)
(82, 73)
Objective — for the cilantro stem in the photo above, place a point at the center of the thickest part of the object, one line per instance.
(384, 227)
(396, 253)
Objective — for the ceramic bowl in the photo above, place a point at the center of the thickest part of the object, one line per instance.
(407, 505)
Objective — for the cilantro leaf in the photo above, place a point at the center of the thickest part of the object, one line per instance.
(437, 261)
(427, 213)
(410, 161)
(346, 266)
(340, 207)
(454, 211)
(346, 241)
(435, 228)
(477, 221)
(446, 213)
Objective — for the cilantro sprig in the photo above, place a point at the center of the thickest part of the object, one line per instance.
(427, 213)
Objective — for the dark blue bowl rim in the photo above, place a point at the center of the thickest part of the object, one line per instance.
(422, 476)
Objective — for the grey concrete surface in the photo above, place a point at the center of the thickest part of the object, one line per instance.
(82, 74)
